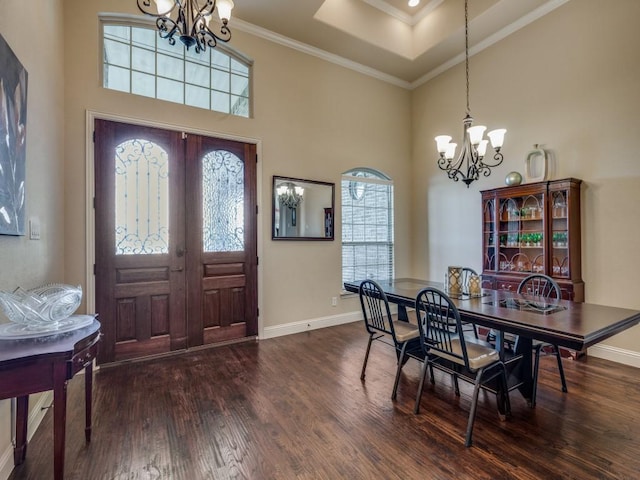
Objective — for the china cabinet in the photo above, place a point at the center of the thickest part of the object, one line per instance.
(533, 228)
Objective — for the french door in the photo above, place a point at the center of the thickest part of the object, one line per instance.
(176, 257)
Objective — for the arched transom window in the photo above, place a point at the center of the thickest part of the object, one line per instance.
(136, 60)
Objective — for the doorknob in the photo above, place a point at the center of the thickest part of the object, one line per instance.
(179, 252)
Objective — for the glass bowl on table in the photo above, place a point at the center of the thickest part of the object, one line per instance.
(41, 308)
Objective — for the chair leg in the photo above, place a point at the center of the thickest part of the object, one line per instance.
(562, 379)
(474, 404)
(504, 408)
(536, 368)
(433, 379)
(416, 407)
(455, 384)
(366, 356)
(398, 370)
(475, 330)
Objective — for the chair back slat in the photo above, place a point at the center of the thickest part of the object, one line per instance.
(375, 308)
(467, 273)
(539, 285)
(440, 325)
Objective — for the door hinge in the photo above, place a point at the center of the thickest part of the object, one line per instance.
(184, 135)
(257, 312)
(94, 268)
(94, 203)
(257, 260)
(94, 136)
(256, 209)
(256, 158)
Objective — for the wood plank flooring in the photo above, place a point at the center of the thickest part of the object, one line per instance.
(294, 408)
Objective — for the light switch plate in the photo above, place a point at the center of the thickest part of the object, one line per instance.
(34, 228)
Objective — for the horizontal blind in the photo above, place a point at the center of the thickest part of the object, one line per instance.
(367, 227)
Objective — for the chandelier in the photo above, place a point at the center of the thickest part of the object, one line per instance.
(471, 160)
(290, 195)
(189, 20)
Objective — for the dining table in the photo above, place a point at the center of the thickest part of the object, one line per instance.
(574, 325)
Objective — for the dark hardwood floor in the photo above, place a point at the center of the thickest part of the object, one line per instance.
(294, 408)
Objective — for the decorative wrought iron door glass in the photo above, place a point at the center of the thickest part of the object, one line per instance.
(142, 198)
(222, 202)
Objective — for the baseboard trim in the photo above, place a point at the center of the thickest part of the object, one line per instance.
(311, 324)
(615, 354)
(36, 415)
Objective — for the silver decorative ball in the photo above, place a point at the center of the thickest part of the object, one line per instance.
(513, 179)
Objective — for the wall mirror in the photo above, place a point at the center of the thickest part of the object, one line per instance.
(302, 209)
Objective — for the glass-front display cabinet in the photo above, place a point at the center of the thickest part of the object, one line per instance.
(533, 228)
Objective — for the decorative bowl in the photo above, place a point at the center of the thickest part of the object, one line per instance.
(42, 306)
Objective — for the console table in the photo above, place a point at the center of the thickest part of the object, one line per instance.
(44, 363)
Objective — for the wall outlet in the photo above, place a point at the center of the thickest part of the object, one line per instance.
(334, 301)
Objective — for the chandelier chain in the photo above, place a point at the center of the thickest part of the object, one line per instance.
(466, 49)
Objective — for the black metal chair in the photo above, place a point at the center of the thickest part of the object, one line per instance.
(385, 327)
(540, 285)
(448, 350)
(467, 273)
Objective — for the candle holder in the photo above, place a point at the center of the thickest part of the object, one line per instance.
(454, 280)
(474, 286)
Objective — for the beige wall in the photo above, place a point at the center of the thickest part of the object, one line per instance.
(568, 81)
(22, 261)
(313, 120)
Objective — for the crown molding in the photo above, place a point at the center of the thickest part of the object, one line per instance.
(363, 69)
(403, 16)
(491, 39)
(317, 52)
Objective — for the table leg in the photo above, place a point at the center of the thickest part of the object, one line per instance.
(88, 389)
(22, 415)
(402, 313)
(524, 347)
(59, 418)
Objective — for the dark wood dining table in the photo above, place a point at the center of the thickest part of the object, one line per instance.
(565, 323)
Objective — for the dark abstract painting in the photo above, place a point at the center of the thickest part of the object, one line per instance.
(13, 141)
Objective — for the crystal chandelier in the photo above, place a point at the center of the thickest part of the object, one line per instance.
(189, 20)
(470, 162)
(290, 195)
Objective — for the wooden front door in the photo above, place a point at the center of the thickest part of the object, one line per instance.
(175, 240)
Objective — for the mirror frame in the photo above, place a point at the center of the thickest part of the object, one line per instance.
(331, 226)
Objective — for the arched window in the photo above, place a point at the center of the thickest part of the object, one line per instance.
(136, 60)
(367, 225)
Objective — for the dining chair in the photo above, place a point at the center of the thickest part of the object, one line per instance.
(540, 285)
(467, 273)
(387, 328)
(448, 350)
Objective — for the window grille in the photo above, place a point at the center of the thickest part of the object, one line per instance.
(136, 60)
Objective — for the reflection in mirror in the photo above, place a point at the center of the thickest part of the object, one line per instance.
(302, 209)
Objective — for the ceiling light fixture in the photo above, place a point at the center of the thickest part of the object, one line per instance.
(290, 195)
(414, 3)
(189, 20)
(474, 146)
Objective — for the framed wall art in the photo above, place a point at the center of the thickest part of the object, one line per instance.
(13, 141)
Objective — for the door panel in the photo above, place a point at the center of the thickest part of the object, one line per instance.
(222, 278)
(169, 277)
